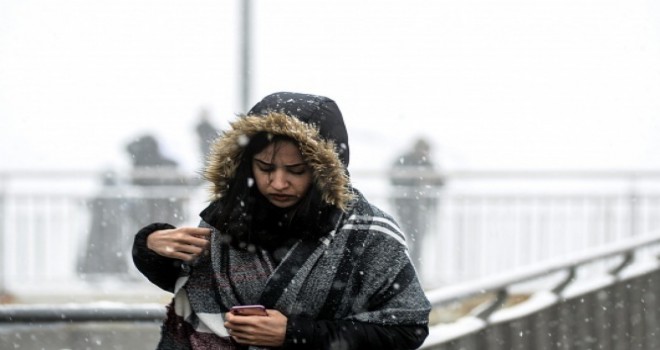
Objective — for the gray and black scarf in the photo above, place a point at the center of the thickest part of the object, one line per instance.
(360, 270)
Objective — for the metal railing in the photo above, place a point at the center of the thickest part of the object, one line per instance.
(87, 312)
(605, 298)
(614, 305)
(98, 326)
(483, 223)
(553, 299)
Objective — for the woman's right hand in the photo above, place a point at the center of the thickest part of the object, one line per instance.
(183, 243)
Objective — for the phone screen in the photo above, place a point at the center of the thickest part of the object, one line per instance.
(249, 310)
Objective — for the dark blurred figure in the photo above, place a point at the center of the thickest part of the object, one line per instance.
(150, 169)
(206, 133)
(105, 253)
(146, 157)
(416, 185)
(158, 196)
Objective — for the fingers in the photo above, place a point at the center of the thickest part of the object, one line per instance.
(184, 243)
(241, 337)
(237, 327)
(257, 330)
(187, 244)
(196, 231)
(189, 235)
(189, 249)
(185, 253)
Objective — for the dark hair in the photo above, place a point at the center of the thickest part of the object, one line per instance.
(246, 217)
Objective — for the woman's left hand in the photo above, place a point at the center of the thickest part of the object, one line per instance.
(257, 330)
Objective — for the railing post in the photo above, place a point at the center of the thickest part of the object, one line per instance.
(246, 54)
(633, 206)
(3, 254)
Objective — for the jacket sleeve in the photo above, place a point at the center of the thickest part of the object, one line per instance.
(160, 270)
(305, 333)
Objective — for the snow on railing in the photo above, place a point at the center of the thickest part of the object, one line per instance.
(605, 293)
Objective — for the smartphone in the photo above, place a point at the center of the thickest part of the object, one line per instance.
(249, 310)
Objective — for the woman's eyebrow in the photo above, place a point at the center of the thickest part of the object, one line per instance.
(295, 165)
(287, 166)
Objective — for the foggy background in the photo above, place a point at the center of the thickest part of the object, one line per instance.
(542, 116)
(527, 84)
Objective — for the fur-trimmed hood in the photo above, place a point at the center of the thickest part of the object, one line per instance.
(313, 121)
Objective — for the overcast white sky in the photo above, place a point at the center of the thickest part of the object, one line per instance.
(493, 83)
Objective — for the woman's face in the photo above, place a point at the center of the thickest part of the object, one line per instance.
(281, 174)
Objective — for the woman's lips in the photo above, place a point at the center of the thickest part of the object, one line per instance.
(281, 197)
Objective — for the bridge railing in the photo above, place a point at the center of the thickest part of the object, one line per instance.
(98, 326)
(54, 225)
(605, 298)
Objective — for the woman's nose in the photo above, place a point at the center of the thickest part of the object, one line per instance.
(279, 180)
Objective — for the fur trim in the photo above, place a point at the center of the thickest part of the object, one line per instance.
(329, 174)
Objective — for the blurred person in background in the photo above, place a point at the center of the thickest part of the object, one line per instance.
(158, 178)
(206, 133)
(415, 198)
(285, 229)
(104, 254)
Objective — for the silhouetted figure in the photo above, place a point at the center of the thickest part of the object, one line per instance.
(150, 169)
(106, 250)
(415, 197)
(145, 154)
(206, 133)
(114, 214)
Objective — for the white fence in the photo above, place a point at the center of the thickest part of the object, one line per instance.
(484, 223)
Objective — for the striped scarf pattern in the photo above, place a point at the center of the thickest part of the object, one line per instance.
(358, 271)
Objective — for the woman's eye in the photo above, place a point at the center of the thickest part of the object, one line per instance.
(298, 171)
(266, 169)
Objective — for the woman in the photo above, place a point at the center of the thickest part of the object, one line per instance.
(286, 230)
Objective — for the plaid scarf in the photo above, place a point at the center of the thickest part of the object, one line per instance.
(360, 271)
